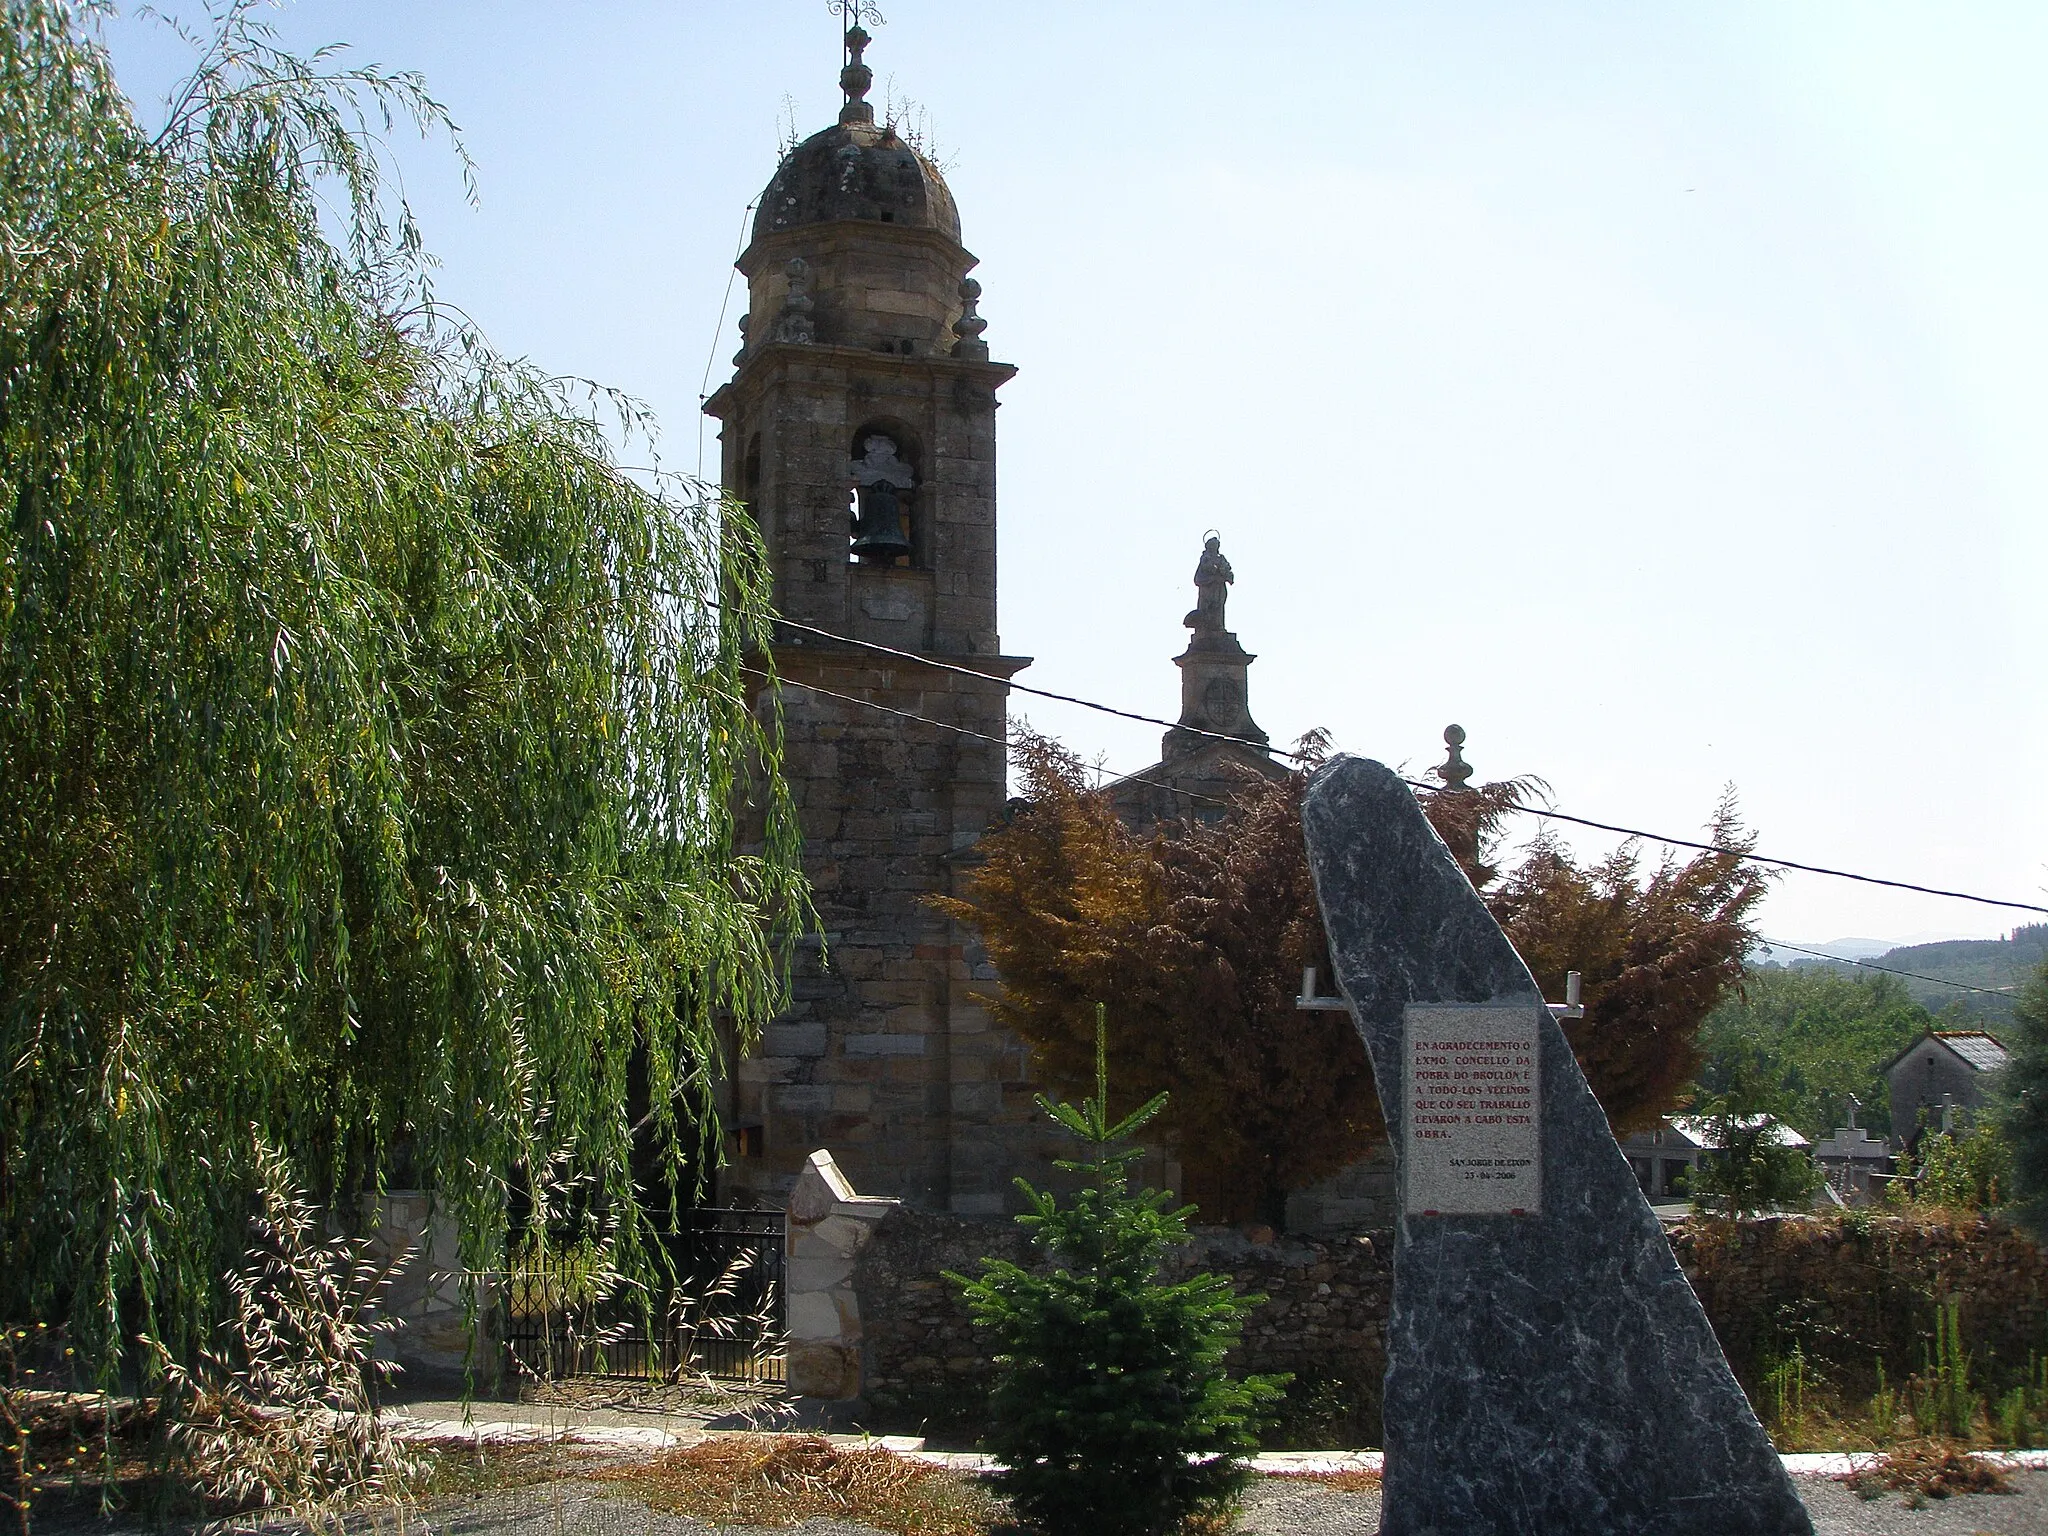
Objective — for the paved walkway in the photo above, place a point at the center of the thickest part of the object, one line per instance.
(628, 1430)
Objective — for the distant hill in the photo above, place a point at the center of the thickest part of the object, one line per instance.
(1993, 963)
(1841, 949)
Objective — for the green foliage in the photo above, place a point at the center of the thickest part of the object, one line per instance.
(1816, 1037)
(2001, 965)
(1750, 1170)
(370, 746)
(1785, 1386)
(1884, 1408)
(1968, 1172)
(2022, 1413)
(2023, 1102)
(1109, 1379)
(1944, 1400)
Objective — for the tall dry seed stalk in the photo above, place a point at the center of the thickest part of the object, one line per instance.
(283, 1413)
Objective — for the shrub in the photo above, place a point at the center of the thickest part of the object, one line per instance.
(1963, 1173)
(1112, 1410)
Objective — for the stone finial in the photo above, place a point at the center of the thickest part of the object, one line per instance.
(1455, 772)
(795, 323)
(856, 78)
(741, 355)
(1854, 1104)
(970, 325)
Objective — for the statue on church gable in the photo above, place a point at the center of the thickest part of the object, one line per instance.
(882, 483)
(1213, 577)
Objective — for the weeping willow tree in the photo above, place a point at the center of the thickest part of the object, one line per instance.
(370, 741)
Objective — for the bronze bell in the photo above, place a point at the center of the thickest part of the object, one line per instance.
(878, 525)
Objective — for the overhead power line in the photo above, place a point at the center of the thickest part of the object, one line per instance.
(1001, 741)
(1015, 687)
(1527, 810)
(1939, 981)
(1756, 858)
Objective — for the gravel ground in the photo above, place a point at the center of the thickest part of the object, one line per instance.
(1275, 1507)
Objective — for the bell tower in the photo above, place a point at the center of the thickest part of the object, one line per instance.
(858, 429)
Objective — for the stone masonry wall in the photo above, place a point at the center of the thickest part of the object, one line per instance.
(926, 1363)
(1845, 1290)
(1848, 1291)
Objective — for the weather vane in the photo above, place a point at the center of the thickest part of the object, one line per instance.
(856, 13)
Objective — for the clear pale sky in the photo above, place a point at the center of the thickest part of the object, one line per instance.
(1655, 390)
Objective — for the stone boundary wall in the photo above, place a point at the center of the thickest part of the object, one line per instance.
(1849, 1290)
(926, 1363)
(1845, 1290)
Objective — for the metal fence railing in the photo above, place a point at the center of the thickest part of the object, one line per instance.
(565, 1313)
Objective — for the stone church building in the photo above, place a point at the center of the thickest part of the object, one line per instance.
(859, 429)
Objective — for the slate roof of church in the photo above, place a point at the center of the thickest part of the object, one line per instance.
(1979, 1049)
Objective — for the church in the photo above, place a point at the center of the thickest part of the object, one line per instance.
(859, 431)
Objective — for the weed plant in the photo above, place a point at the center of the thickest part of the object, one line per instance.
(284, 1413)
(1944, 1403)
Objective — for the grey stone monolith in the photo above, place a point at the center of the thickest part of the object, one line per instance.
(1549, 1370)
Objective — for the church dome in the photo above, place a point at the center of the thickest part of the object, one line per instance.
(855, 170)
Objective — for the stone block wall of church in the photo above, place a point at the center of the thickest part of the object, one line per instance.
(888, 1056)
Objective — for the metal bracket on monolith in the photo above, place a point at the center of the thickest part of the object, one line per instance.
(1549, 1370)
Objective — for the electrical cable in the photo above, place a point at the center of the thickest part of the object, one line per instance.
(1016, 687)
(717, 333)
(1001, 741)
(1940, 981)
(1762, 858)
(947, 725)
(1527, 810)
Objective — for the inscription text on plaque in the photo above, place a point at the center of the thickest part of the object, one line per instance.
(1473, 1128)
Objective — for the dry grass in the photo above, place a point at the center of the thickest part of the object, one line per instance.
(779, 1480)
(1350, 1480)
(1931, 1469)
(458, 1468)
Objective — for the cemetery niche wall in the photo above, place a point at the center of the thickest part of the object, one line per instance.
(1537, 1306)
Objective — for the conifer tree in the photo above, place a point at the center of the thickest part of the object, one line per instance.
(2023, 1103)
(1112, 1410)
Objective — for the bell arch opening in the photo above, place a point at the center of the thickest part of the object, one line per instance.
(884, 522)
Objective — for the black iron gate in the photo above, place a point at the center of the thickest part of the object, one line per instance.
(564, 1315)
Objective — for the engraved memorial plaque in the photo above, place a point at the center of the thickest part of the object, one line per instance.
(1473, 1126)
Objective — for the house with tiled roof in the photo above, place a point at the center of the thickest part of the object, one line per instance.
(1945, 1076)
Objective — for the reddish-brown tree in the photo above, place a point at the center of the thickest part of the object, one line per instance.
(1195, 937)
(1656, 951)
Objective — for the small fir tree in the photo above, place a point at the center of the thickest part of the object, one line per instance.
(1752, 1168)
(1111, 1409)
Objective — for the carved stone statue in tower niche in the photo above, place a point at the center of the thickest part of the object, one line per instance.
(795, 324)
(882, 486)
(1213, 577)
